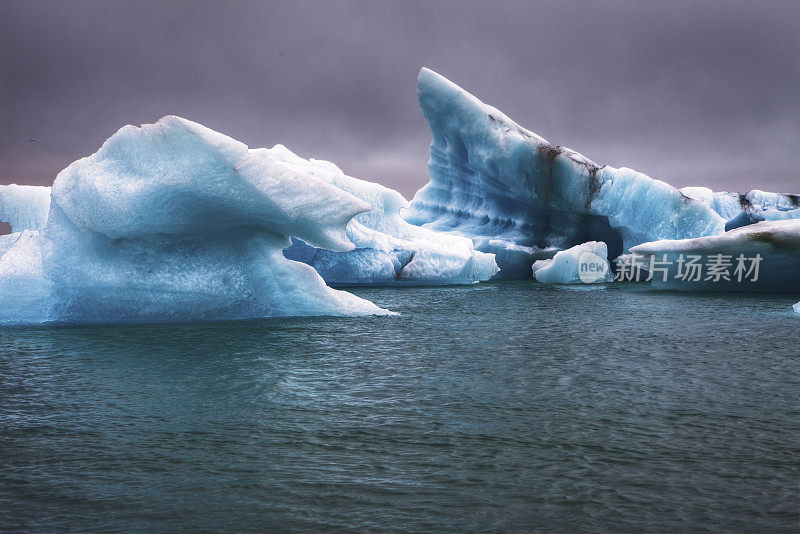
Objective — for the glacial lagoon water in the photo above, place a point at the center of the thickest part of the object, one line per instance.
(496, 407)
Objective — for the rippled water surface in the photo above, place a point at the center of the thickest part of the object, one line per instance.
(501, 407)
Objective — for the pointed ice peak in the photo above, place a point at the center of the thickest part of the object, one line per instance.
(495, 181)
(443, 100)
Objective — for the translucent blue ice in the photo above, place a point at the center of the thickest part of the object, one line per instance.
(173, 221)
(521, 197)
(389, 251)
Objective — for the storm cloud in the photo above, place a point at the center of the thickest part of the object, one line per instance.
(694, 93)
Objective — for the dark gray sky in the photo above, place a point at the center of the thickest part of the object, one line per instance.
(694, 93)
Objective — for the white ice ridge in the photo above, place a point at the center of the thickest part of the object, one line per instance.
(173, 221)
(388, 249)
(747, 208)
(517, 195)
(585, 263)
(765, 256)
(24, 207)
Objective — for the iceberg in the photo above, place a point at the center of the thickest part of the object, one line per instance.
(586, 263)
(520, 197)
(747, 208)
(24, 207)
(171, 222)
(389, 250)
(796, 307)
(764, 256)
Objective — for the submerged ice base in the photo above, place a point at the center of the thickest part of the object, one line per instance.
(171, 222)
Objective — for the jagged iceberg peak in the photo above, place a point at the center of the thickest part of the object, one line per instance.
(511, 190)
(174, 221)
(389, 251)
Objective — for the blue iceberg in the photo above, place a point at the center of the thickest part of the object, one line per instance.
(522, 198)
(170, 222)
(386, 249)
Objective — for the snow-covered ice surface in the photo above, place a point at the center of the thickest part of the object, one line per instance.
(776, 243)
(519, 196)
(24, 207)
(388, 249)
(584, 263)
(173, 221)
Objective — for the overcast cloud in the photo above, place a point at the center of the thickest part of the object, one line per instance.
(695, 93)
